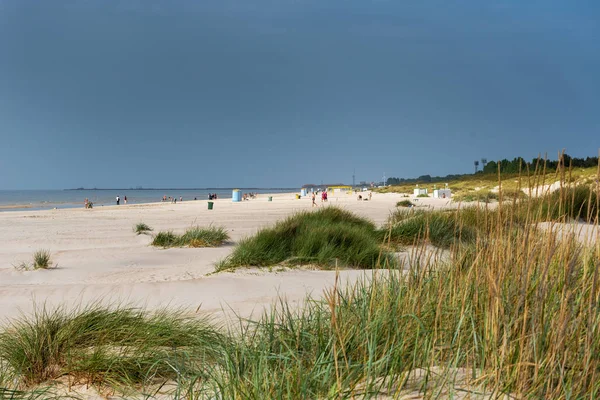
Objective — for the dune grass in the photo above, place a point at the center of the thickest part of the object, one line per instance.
(404, 203)
(509, 316)
(479, 196)
(327, 237)
(41, 259)
(118, 346)
(142, 228)
(195, 236)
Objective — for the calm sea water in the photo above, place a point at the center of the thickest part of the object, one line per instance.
(13, 200)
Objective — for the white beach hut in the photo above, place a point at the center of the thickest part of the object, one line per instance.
(442, 193)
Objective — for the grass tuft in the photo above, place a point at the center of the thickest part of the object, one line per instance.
(194, 237)
(102, 345)
(404, 203)
(165, 239)
(142, 228)
(42, 259)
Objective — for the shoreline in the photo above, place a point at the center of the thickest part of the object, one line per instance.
(50, 206)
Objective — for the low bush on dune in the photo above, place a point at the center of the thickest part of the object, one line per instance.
(142, 228)
(324, 237)
(103, 345)
(193, 237)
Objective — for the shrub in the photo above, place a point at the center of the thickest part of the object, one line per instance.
(404, 203)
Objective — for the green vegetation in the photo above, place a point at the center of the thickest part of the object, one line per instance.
(194, 237)
(404, 203)
(165, 239)
(422, 195)
(327, 237)
(142, 228)
(507, 168)
(42, 259)
(517, 178)
(120, 346)
(479, 196)
(439, 228)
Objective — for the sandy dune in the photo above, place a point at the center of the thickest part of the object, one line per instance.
(100, 257)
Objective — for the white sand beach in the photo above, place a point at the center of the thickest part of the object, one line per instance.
(99, 257)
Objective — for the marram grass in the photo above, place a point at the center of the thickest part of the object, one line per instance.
(196, 236)
(142, 228)
(328, 237)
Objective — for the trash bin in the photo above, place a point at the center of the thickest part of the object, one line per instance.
(270, 198)
(210, 205)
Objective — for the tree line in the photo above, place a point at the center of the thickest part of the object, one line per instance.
(506, 167)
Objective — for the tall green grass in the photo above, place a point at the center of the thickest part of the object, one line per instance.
(117, 346)
(327, 237)
(196, 236)
(515, 310)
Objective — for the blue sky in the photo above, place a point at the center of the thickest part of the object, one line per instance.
(286, 92)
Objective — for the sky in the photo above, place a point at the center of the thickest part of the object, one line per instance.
(281, 93)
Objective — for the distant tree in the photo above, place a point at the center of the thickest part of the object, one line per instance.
(424, 178)
(490, 167)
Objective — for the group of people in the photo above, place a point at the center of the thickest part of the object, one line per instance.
(212, 196)
(361, 198)
(119, 200)
(314, 198)
(172, 199)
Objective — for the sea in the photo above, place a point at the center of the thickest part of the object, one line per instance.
(20, 200)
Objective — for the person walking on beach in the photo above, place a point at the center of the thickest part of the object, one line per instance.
(125, 200)
(314, 197)
(118, 200)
